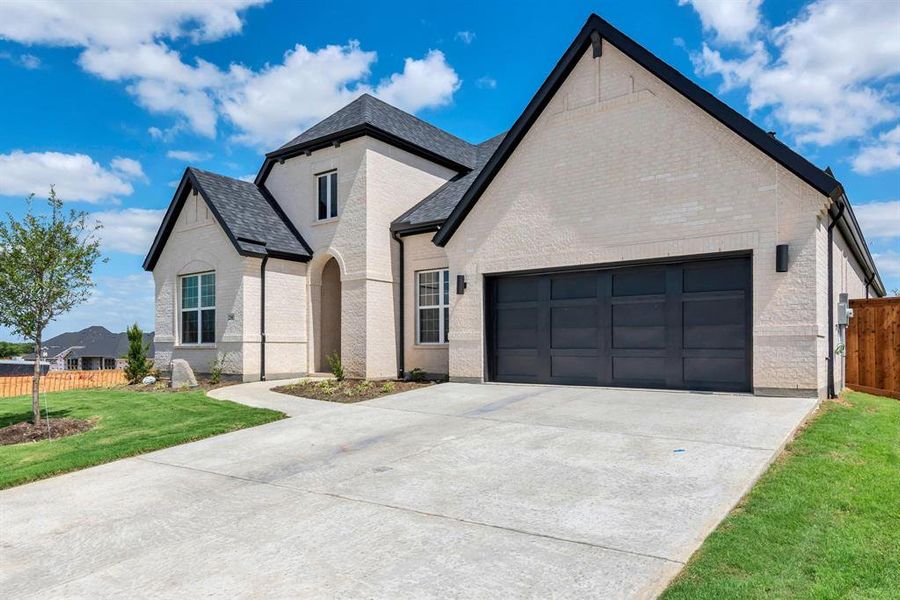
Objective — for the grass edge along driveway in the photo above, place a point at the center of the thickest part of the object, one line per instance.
(128, 423)
(822, 522)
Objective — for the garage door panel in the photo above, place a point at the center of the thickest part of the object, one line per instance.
(573, 286)
(715, 323)
(517, 289)
(517, 328)
(679, 325)
(725, 275)
(517, 363)
(568, 366)
(639, 370)
(639, 325)
(639, 282)
(573, 327)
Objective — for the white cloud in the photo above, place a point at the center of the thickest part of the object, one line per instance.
(123, 41)
(883, 155)
(424, 83)
(250, 177)
(130, 42)
(75, 176)
(128, 167)
(188, 155)
(118, 24)
(130, 230)
(27, 61)
(825, 74)
(879, 219)
(271, 106)
(732, 20)
(278, 102)
(486, 82)
(161, 81)
(888, 263)
(466, 37)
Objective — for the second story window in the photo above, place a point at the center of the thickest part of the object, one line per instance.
(326, 185)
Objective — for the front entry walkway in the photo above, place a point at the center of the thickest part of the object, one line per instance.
(475, 491)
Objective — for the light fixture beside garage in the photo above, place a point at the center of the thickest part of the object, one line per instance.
(460, 284)
(781, 258)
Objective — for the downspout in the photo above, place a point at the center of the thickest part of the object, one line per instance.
(868, 283)
(834, 221)
(262, 318)
(401, 368)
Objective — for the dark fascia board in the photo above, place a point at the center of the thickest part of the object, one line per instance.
(349, 134)
(188, 181)
(792, 161)
(406, 229)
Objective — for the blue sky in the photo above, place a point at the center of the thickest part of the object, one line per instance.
(110, 101)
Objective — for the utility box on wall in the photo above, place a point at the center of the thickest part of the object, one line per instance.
(844, 311)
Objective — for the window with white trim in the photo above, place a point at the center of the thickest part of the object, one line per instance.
(326, 186)
(198, 308)
(432, 306)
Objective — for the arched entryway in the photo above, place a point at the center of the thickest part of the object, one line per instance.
(329, 315)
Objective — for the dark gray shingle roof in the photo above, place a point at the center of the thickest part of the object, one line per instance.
(92, 341)
(438, 205)
(370, 111)
(257, 224)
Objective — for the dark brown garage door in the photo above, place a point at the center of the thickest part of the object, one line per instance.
(682, 325)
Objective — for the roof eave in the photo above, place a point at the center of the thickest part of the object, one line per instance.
(348, 134)
(406, 229)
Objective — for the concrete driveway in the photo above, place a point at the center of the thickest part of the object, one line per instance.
(455, 491)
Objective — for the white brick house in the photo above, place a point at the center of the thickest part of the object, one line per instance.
(623, 232)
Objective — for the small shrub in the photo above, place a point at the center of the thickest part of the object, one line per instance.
(363, 386)
(138, 365)
(388, 387)
(215, 370)
(417, 375)
(336, 366)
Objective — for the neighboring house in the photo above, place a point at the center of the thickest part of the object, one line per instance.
(20, 368)
(92, 349)
(623, 232)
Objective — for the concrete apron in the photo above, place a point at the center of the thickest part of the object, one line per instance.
(452, 491)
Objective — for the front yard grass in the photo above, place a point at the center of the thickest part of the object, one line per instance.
(823, 522)
(127, 423)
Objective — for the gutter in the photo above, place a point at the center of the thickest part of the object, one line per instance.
(831, 226)
(262, 318)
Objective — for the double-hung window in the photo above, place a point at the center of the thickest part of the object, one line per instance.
(198, 309)
(432, 306)
(326, 186)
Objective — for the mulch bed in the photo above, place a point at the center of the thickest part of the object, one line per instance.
(20, 433)
(349, 391)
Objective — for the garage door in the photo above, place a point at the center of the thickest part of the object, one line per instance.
(681, 325)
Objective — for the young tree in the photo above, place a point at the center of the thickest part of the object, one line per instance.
(138, 366)
(46, 264)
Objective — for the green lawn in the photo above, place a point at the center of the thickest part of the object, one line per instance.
(128, 423)
(823, 522)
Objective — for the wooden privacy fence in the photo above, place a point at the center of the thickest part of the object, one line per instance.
(873, 347)
(60, 381)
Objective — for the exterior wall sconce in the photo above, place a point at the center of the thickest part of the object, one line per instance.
(460, 284)
(781, 258)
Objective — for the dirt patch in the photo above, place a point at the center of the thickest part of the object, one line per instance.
(20, 433)
(349, 390)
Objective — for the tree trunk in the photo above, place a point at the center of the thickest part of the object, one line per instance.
(36, 384)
